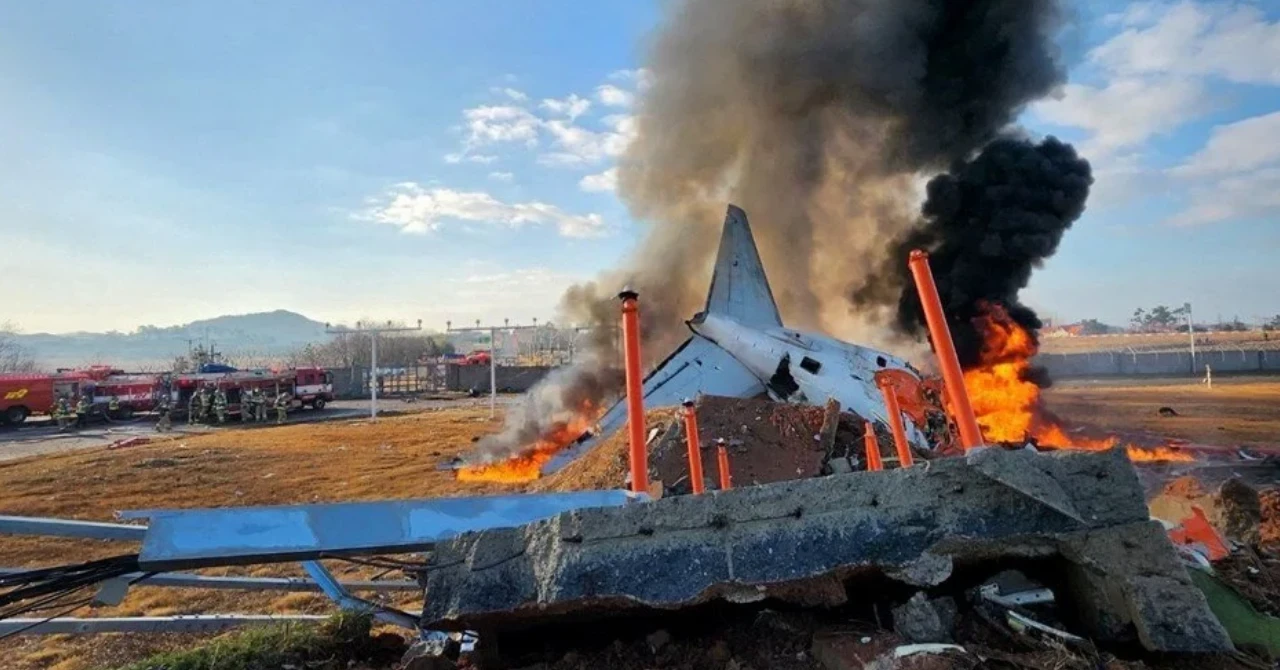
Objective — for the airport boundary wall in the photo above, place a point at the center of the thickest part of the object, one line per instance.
(354, 382)
(1157, 364)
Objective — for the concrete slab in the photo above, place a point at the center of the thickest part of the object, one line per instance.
(802, 541)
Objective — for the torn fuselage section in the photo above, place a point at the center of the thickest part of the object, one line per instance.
(808, 368)
(782, 385)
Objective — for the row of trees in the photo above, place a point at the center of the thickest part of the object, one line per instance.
(1159, 318)
(1163, 318)
(346, 350)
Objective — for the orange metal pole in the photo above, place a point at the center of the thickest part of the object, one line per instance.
(695, 452)
(722, 459)
(945, 348)
(905, 459)
(873, 447)
(635, 391)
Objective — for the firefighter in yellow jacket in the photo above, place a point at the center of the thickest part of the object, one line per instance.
(282, 407)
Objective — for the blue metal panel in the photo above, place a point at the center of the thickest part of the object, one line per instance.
(203, 537)
(93, 530)
(297, 584)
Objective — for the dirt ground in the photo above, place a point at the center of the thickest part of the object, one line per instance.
(1241, 411)
(397, 458)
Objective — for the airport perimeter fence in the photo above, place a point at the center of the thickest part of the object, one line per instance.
(436, 378)
(1131, 363)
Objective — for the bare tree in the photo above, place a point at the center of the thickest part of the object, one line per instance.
(13, 356)
(345, 350)
(251, 359)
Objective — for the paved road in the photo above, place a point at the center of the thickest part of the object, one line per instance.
(42, 436)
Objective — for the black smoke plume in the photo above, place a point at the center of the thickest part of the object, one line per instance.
(816, 117)
(987, 223)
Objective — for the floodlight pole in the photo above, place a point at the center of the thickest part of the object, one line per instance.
(493, 351)
(373, 332)
(493, 372)
(1191, 332)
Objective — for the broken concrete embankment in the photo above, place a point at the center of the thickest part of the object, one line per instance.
(803, 542)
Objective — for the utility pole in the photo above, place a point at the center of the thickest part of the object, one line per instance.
(493, 353)
(373, 332)
(1191, 331)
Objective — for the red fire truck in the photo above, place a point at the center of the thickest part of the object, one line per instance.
(305, 386)
(22, 395)
(26, 394)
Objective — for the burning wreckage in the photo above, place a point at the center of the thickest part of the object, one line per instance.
(513, 567)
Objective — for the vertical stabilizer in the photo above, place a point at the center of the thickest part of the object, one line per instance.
(739, 287)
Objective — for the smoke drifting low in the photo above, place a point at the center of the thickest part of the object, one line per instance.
(563, 394)
(816, 117)
(988, 223)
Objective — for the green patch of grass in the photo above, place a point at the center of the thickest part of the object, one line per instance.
(331, 644)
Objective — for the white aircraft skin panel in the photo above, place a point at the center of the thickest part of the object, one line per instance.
(739, 287)
(740, 340)
(699, 367)
(846, 372)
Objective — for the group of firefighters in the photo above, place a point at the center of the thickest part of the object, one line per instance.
(211, 402)
(206, 403)
(67, 417)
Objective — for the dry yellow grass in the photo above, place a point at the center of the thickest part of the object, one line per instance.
(397, 458)
(357, 460)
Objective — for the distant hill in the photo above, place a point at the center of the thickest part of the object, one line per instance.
(261, 335)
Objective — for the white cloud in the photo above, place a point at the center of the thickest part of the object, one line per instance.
(1255, 193)
(1235, 175)
(574, 144)
(579, 146)
(1233, 40)
(642, 78)
(514, 94)
(612, 96)
(415, 209)
(490, 124)
(501, 176)
(1135, 14)
(572, 106)
(1156, 76)
(597, 183)
(459, 157)
(1236, 147)
(1126, 111)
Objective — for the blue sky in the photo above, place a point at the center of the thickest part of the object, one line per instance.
(450, 160)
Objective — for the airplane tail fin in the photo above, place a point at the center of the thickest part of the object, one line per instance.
(739, 287)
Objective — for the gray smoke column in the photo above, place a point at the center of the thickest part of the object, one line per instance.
(988, 222)
(565, 393)
(817, 117)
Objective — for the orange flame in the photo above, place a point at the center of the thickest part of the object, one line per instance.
(1008, 406)
(526, 466)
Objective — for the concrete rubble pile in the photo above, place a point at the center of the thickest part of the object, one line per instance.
(835, 541)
